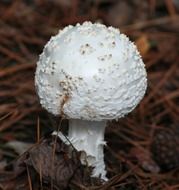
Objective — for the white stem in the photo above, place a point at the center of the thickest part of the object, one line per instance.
(88, 137)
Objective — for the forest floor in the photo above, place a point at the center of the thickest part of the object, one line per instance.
(142, 150)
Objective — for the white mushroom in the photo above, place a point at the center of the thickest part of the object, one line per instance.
(90, 74)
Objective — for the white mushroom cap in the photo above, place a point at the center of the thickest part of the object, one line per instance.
(90, 72)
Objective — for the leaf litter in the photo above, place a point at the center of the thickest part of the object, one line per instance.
(142, 150)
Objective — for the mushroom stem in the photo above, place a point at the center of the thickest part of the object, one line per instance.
(88, 137)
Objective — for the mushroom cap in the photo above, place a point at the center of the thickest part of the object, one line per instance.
(90, 72)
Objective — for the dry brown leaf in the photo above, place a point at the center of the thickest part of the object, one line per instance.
(145, 160)
(143, 45)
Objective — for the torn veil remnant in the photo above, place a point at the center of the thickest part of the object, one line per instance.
(102, 74)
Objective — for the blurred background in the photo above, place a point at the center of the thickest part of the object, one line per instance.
(143, 148)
